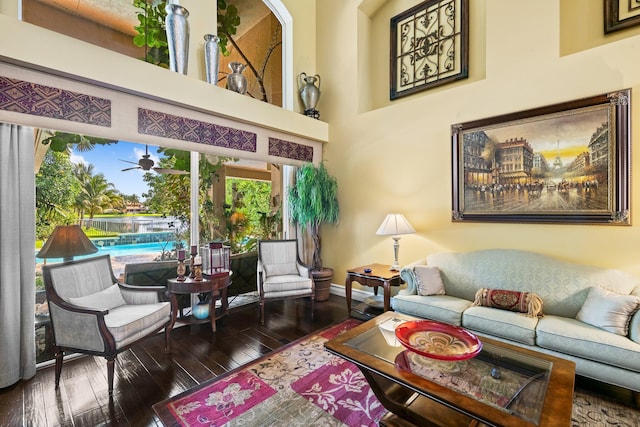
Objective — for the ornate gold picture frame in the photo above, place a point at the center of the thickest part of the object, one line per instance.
(564, 163)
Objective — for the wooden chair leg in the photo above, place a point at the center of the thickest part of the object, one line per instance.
(167, 339)
(110, 371)
(59, 354)
(262, 312)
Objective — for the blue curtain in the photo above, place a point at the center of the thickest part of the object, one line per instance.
(17, 254)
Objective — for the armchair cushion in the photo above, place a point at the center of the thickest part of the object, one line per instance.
(105, 299)
(289, 268)
(129, 323)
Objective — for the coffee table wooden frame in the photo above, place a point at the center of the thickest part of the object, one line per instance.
(414, 400)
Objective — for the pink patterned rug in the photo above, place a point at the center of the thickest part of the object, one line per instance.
(303, 385)
(299, 383)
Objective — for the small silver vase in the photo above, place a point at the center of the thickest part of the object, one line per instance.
(309, 92)
(177, 27)
(211, 57)
(236, 81)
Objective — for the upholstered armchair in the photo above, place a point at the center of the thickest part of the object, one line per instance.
(92, 313)
(281, 274)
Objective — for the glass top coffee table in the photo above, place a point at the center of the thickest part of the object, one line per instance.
(503, 385)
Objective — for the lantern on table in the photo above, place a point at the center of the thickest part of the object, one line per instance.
(218, 260)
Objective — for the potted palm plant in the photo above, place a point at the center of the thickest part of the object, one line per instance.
(313, 200)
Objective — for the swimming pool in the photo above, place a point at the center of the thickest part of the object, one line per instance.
(121, 250)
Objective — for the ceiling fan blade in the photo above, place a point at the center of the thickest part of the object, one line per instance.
(127, 161)
(171, 171)
(130, 169)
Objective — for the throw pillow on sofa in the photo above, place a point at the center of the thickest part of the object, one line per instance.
(428, 280)
(523, 302)
(609, 311)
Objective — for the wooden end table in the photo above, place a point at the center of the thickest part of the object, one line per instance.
(380, 275)
(216, 285)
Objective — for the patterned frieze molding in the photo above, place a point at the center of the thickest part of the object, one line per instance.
(290, 150)
(156, 123)
(25, 97)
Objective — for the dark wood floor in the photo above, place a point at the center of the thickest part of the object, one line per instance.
(145, 374)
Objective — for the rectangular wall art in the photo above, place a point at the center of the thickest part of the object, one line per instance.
(429, 46)
(621, 14)
(564, 163)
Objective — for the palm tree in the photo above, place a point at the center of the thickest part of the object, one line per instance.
(83, 172)
(97, 195)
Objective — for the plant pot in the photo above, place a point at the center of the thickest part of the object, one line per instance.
(322, 279)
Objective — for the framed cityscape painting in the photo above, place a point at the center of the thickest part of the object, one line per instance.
(564, 163)
(429, 46)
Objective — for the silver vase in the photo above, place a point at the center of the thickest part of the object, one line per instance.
(236, 81)
(177, 27)
(211, 57)
(309, 92)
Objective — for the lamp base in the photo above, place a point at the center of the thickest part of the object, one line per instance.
(396, 248)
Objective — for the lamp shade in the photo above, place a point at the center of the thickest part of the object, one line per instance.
(394, 225)
(65, 242)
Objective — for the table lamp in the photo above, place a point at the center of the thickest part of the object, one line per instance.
(394, 225)
(65, 242)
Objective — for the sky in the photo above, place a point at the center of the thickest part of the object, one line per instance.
(568, 133)
(107, 160)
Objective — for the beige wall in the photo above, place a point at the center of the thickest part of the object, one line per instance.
(396, 156)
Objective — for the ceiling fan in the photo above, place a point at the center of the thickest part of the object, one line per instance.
(145, 163)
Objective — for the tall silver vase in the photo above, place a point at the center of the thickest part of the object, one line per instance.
(236, 81)
(309, 93)
(177, 27)
(211, 57)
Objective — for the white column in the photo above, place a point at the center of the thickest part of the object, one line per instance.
(195, 205)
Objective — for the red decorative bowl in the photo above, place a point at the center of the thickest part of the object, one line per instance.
(438, 340)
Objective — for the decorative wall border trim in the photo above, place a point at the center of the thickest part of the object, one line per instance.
(170, 126)
(290, 150)
(20, 96)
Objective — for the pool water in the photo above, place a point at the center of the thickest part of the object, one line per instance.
(121, 250)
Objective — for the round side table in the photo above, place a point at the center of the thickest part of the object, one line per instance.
(216, 285)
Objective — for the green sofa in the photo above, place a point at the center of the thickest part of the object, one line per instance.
(564, 288)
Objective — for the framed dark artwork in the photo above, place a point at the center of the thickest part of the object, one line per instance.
(564, 163)
(429, 46)
(621, 14)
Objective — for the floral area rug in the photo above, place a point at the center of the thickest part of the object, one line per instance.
(304, 385)
(299, 385)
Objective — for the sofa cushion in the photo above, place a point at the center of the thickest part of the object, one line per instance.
(573, 337)
(501, 323)
(523, 302)
(105, 299)
(634, 327)
(428, 280)
(609, 311)
(443, 308)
